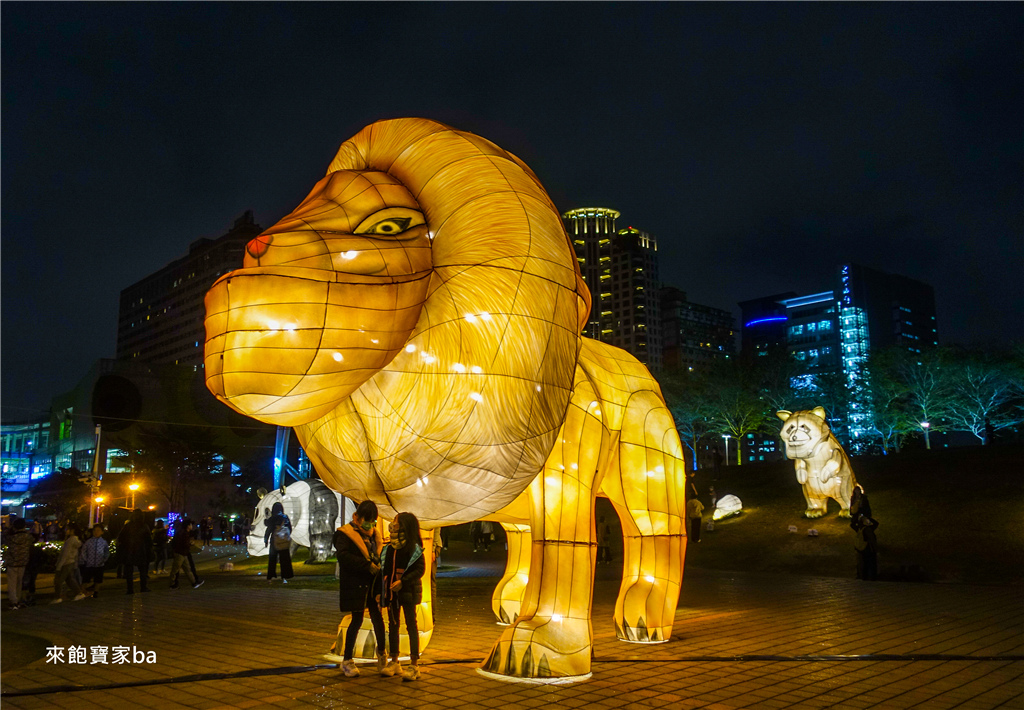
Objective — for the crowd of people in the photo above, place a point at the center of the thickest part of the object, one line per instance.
(84, 554)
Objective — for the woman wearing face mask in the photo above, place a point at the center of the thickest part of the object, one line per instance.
(402, 589)
(359, 546)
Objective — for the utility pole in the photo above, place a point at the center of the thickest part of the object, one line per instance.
(97, 477)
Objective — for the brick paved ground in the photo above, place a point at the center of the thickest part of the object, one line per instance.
(740, 641)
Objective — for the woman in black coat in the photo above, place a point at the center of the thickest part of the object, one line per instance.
(359, 546)
(402, 570)
(278, 522)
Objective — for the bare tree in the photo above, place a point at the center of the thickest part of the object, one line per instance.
(172, 457)
(686, 394)
(736, 405)
(985, 395)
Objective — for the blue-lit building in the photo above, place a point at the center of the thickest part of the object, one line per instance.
(23, 458)
(834, 331)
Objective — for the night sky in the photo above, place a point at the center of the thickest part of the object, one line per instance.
(760, 144)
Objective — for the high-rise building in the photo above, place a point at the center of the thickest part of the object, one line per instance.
(694, 336)
(812, 331)
(160, 319)
(620, 268)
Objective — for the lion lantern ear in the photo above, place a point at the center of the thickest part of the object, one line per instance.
(819, 412)
(783, 414)
(477, 396)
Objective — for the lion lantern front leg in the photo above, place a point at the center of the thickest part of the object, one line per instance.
(553, 636)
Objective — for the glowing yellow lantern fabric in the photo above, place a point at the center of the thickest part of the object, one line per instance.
(417, 319)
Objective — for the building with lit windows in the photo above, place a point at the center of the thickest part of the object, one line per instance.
(160, 318)
(693, 335)
(812, 331)
(21, 460)
(620, 268)
(833, 331)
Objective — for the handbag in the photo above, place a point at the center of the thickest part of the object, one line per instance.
(282, 538)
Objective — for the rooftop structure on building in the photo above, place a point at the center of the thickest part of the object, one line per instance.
(160, 319)
(620, 268)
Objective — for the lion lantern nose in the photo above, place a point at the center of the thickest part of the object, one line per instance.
(258, 246)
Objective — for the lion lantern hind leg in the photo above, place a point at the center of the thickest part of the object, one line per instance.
(552, 636)
(619, 436)
(647, 486)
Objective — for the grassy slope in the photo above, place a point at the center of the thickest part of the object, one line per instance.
(958, 515)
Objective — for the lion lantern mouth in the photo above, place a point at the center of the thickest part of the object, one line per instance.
(325, 298)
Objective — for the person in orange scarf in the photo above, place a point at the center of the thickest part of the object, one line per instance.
(359, 546)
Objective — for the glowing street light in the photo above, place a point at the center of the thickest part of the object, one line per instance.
(99, 499)
(927, 441)
(152, 507)
(133, 487)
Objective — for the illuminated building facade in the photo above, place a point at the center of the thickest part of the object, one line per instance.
(20, 457)
(812, 331)
(833, 331)
(620, 268)
(694, 336)
(160, 319)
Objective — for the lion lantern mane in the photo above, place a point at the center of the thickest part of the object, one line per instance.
(435, 374)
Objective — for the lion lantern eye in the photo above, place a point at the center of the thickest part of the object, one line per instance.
(390, 222)
(390, 226)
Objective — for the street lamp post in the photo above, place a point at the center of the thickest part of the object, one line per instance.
(726, 437)
(133, 487)
(99, 509)
(927, 440)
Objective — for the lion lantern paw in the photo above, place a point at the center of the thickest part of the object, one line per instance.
(541, 648)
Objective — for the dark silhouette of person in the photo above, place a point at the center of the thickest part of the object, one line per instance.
(859, 503)
(278, 522)
(866, 545)
(134, 546)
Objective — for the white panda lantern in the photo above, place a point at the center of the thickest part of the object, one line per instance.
(315, 512)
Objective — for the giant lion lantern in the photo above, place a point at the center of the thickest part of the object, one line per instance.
(417, 320)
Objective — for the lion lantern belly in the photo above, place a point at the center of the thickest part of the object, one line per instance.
(417, 319)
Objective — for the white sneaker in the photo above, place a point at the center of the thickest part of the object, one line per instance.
(411, 673)
(58, 600)
(79, 597)
(349, 668)
(392, 669)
